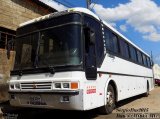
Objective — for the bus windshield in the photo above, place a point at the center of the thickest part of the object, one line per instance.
(55, 46)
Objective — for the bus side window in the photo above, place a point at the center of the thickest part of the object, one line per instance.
(133, 54)
(107, 39)
(124, 48)
(139, 54)
(144, 60)
(148, 62)
(111, 41)
(115, 44)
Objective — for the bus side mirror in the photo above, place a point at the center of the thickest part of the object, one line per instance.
(91, 73)
(9, 46)
(90, 35)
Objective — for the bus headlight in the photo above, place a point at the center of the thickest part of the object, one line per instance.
(57, 85)
(17, 86)
(65, 85)
(11, 86)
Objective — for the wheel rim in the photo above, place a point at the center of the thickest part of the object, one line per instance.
(110, 98)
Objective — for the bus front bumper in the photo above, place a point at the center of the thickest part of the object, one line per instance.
(61, 99)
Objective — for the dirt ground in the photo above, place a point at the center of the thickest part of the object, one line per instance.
(138, 107)
(146, 107)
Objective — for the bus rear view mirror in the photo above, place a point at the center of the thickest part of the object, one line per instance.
(89, 35)
(9, 46)
(91, 73)
(92, 37)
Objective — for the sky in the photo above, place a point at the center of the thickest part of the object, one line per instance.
(138, 20)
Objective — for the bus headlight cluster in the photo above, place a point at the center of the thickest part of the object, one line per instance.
(57, 85)
(11, 86)
(66, 85)
(15, 86)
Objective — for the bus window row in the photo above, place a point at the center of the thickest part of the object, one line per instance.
(118, 46)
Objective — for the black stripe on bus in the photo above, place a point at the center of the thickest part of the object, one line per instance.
(122, 74)
(57, 92)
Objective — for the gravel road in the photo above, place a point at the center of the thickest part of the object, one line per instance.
(138, 107)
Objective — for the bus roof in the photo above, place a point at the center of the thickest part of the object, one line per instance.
(86, 11)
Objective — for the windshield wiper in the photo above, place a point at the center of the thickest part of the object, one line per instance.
(20, 73)
(52, 70)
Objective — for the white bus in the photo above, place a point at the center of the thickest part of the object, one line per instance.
(73, 60)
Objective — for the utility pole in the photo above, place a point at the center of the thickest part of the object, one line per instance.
(88, 4)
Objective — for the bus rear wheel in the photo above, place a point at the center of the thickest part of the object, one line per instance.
(110, 101)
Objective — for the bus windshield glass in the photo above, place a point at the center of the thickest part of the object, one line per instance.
(50, 47)
(60, 46)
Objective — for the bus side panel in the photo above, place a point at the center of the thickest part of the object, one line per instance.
(94, 92)
(130, 78)
(129, 86)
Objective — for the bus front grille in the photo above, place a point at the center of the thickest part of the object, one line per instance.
(36, 85)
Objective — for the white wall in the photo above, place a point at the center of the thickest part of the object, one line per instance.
(156, 70)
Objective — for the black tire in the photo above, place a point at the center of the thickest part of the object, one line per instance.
(110, 105)
(147, 92)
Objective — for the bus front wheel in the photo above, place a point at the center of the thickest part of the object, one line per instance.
(110, 101)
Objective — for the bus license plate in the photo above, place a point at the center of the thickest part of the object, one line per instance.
(35, 100)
